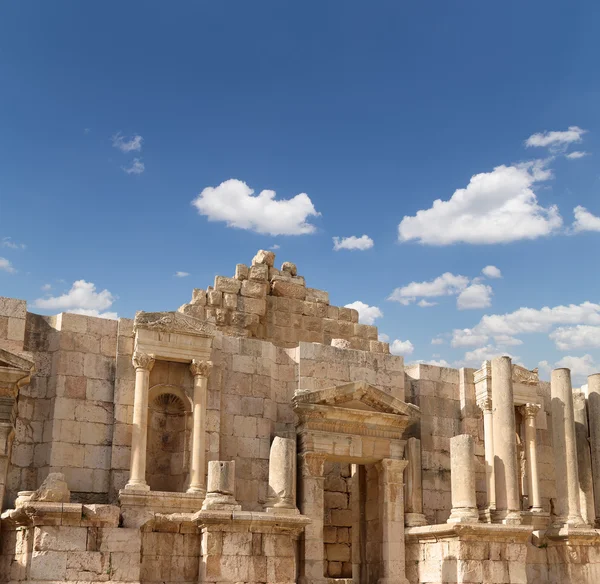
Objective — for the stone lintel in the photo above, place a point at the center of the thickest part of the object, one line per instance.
(570, 535)
(161, 501)
(470, 531)
(255, 521)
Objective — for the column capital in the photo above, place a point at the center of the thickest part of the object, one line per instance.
(142, 361)
(312, 464)
(201, 368)
(485, 403)
(530, 410)
(393, 469)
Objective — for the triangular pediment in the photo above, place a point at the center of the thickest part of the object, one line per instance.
(358, 395)
(13, 361)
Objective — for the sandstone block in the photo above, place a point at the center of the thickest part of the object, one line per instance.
(60, 539)
(215, 298)
(252, 305)
(230, 301)
(125, 567)
(314, 295)
(288, 290)
(259, 272)
(54, 489)
(199, 296)
(241, 272)
(254, 289)
(289, 268)
(48, 565)
(228, 285)
(338, 552)
(12, 307)
(344, 314)
(263, 257)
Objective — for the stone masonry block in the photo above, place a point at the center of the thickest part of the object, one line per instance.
(228, 285)
(314, 295)
(48, 565)
(254, 289)
(259, 272)
(57, 538)
(288, 290)
(13, 307)
(241, 272)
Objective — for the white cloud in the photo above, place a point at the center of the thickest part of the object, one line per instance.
(507, 341)
(134, 144)
(580, 367)
(476, 357)
(383, 338)
(82, 298)
(527, 320)
(181, 274)
(445, 285)
(275, 246)
(399, 347)
(576, 154)
(136, 167)
(491, 272)
(366, 314)
(46, 287)
(496, 207)
(567, 338)
(8, 242)
(233, 202)
(584, 220)
(438, 341)
(556, 140)
(7, 266)
(475, 296)
(426, 303)
(361, 243)
(438, 363)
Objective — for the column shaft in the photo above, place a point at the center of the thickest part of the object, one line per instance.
(565, 449)
(413, 485)
(594, 421)
(200, 371)
(506, 472)
(488, 433)
(462, 477)
(143, 365)
(533, 483)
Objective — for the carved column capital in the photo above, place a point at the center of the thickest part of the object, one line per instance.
(530, 410)
(201, 368)
(485, 404)
(392, 469)
(312, 464)
(142, 361)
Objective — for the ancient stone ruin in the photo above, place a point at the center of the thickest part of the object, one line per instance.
(260, 435)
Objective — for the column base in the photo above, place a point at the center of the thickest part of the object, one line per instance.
(282, 510)
(507, 517)
(200, 491)
(414, 520)
(140, 487)
(486, 514)
(571, 521)
(464, 515)
(220, 502)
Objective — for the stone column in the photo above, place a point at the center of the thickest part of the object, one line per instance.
(221, 486)
(312, 505)
(137, 478)
(506, 470)
(488, 433)
(282, 476)
(594, 421)
(565, 450)
(584, 460)
(462, 477)
(391, 490)
(200, 370)
(529, 413)
(413, 485)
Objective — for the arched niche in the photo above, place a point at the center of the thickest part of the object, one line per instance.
(169, 436)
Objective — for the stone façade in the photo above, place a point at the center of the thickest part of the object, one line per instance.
(260, 435)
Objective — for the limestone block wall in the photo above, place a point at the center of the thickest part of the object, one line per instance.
(448, 408)
(338, 518)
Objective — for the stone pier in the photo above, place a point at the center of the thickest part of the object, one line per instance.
(593, 401)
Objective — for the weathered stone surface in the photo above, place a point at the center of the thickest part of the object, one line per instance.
(264, 257)
(289, 268)
(288, 290)
(54, 489)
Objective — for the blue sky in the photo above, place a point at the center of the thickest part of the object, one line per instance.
(373, 111)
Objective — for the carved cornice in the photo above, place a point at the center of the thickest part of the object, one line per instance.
(173, 322)
(530, 410)
(485, 372)
(525, 376)
(142, 361)
(201, 368)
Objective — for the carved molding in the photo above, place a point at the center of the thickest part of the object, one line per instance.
(173, 322)
(142, 361)
(201, 368)
(525, 376)
(530, 410)
(312, 464)
(485, 403)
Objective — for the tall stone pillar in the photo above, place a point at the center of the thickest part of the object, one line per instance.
(506, 470)
(137, 478)
(488, 440)
(565, 450)
(594, 421)
(462, 477)
(413, 485)
(391, 490)
(529, 412)
(312, 505)
(584, 459)
(200, 370)
(282, 476)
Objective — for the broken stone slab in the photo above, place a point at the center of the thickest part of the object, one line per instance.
(54, 489)
(264, 257)
(221, 486)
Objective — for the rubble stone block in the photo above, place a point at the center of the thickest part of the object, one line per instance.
(288, 290)
(264, 257)
(227, 285)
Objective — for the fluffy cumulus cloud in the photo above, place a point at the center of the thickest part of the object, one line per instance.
(496, 207)
(475, 296)
(366, 314)
(584, 220)
(353, 243)
(447, 284)
(567, 338)
(575, 155)
(580, 367)
(556, 139)
(133, 144)
(234, 202)
(136, 167)
(82, 298)
(6, 266)
(398, 347)
(477, 356)
(426, 303)
(491, 272)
